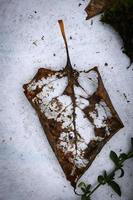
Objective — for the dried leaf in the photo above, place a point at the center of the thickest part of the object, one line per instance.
(76, 114)
(96, 7)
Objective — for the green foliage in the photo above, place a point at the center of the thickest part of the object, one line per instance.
(82, 186)
(85, 189)
(108, 178)
(115, 187)
(130, 155)
(84, 197)
(120, 17)
(101, 180)
(114, 158)
(123, 156)
(122, 172)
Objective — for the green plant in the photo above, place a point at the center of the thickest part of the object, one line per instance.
(120, 17)
(107, 177)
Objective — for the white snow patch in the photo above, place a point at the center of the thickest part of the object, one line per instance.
(44, 81)
(53, 89)
(81, 102)
(89, 81)
(84, 126)
(80, 161)
(80, 92)
(101, 113)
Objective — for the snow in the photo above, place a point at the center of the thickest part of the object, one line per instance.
(103, 113)
(80, 92)
(28, 166)
(84, 126)
(89, 82)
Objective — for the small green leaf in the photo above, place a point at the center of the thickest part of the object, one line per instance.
(85, 198)
(83, 189)
(88, 188)
(130, 155)
(115, 187)
(108, 178)
(123, 156)
(114, 158)
(101, 180)
(82, 184)
(122, 173)
(111, 176)
(105, 174)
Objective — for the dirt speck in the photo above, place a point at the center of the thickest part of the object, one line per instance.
(126, 97)
(111, 195)
(42, 38)
(35, 43)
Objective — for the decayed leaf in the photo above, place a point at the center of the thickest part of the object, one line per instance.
(76, 113)
(96, 7)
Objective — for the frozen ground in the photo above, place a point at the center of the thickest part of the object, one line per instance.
(30, 38)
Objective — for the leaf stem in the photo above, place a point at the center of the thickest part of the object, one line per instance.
(98, 185)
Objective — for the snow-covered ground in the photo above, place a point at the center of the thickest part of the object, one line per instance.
(29, 39)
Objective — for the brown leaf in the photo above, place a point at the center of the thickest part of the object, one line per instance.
(76, 114)
(96, 7)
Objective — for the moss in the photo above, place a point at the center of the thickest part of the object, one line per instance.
(120, 17)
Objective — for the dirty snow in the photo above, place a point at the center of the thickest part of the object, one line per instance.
(28, 167)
